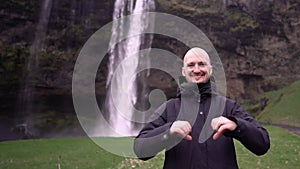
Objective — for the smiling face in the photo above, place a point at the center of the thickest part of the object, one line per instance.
(197, 67)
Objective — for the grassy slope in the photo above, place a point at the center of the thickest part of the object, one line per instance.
(82, 153)
(283, 106)
(284, 152)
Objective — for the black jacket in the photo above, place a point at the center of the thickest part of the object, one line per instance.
(202, 152)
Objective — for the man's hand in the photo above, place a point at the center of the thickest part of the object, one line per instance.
(222, 124)
(181, 129)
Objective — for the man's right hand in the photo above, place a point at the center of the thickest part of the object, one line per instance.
(181, 129)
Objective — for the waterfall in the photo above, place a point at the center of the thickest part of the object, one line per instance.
(26, 99)
(40, 35)
(130, 46)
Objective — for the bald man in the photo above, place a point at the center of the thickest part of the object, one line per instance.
(178, 124)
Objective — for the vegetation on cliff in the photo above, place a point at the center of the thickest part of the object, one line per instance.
(257, 41)
(253, 38)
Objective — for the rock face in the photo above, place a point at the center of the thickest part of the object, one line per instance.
(257, 41)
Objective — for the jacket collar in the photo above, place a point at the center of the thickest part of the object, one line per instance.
(196, 89)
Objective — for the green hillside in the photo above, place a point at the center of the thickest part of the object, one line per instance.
(283, 106)
(284, 152)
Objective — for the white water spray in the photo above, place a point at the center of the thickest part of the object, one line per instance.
(120, 119)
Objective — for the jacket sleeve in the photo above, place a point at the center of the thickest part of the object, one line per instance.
(154, 136)
(249, 132)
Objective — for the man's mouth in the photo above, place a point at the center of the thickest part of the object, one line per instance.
(200, 74)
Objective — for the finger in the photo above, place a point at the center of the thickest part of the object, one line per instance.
(188, 129)
(181, 129)
(216, 123)
(220, 131)
(181, 132)
(223, 128)
(216, 135)
(213, 123)
(187, 126)
(188, 137)
(184, 134)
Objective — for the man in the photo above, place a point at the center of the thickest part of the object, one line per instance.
(177, 125)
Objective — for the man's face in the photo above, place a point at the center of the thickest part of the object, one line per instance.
(196, 69)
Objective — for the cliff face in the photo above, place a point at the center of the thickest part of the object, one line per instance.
(55, 37)
(257, 41)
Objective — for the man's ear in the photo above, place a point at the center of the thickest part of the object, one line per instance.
(210, 71)
(183, 71)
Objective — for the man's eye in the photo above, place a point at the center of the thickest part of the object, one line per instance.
(190, 65)
(202, 64)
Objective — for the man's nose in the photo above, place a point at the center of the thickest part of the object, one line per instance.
(196, 68)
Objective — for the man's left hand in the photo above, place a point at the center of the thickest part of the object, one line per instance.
(221, 125)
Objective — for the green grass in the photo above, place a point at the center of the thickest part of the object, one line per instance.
(283, 106)
(82, 153)
(284, 152)
(49, 153)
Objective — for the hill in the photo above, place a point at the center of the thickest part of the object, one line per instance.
(279, 107)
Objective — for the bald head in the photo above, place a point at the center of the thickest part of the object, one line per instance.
(196, 66)
(196, 51)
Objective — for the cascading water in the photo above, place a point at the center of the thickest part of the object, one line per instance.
(130, 46)
(40, 35)
(25, 103)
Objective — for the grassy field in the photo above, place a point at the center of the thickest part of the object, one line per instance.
(283, 106)
(82, 153)
(54, 154)
(284, 152)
